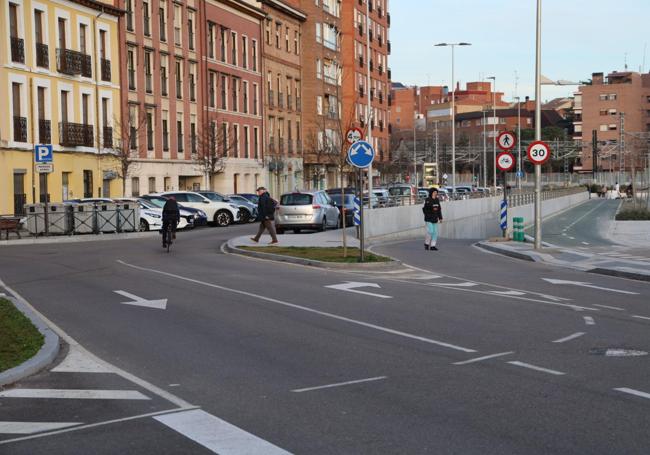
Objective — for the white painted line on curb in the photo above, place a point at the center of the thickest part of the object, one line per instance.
(33, 427)
(589, 320)
(339, 384)
(570, 337)
(536, 368)
(75, 394)
(217, 435)
(641, 317)
(478, 359)
(303, 308)
(638, 393)
(610, 307)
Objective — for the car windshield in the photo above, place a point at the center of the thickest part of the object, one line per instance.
(400, 191)
(148, 204)
(158, 202)
(239, 199)
(296, 199)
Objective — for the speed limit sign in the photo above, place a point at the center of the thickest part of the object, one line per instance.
(539, 152)
(505, 161)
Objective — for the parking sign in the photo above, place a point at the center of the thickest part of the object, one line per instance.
(43, 153)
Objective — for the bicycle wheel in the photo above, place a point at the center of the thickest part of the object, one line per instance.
(168, 234)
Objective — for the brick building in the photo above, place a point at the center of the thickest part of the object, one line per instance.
(282, 52)
(409, 102)
(616, 107)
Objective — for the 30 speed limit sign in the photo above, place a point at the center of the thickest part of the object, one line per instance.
(505, 161)
(539, 152)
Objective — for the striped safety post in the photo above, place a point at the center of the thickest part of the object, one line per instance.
(504, 215)
(357, 212)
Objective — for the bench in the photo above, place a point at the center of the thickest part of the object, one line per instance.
(9, 224)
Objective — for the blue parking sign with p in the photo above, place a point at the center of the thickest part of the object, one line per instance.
(43, 153)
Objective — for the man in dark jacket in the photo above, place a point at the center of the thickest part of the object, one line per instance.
(432, 216)
(266, 214)
(171, 215)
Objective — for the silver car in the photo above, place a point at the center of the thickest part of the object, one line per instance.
(306, 210)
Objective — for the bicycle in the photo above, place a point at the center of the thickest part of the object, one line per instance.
(169, 236)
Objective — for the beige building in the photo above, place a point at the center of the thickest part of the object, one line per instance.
(281, 38)
(617, 107)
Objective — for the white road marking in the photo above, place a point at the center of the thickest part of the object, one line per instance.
(507, 292)
(33, 427)
(351, 286)
(84, 394)
(580, 218)
(160, 304)
(585, 243)
(638, 393)
(625, 353)
(641, 317)
(466, 284)
(303, 308)
(78, 362)
(339, 384)
(572, 238)
(217, 435)
(536, 368)
(570, 337)
(478, 359)
(589, 320)
(588, 285)
(610, 307)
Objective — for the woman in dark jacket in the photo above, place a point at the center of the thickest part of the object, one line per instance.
(432, 216)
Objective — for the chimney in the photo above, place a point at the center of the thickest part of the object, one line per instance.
(597, 78)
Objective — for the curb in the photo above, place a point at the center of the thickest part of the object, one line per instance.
(44, 357)
(311, 262)
(512, 254)
(77, 238)
(620, 274)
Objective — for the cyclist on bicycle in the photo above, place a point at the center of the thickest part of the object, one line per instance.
(170, 217)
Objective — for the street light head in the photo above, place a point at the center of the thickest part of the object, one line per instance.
(492, 77)
(441, 44)
(464, 44)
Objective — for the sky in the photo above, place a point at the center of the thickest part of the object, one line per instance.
(579, 37)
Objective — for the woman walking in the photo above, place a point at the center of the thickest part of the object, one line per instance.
(432, 216)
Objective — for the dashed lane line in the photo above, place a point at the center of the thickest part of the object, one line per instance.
(589, 320)
(570, 337)
(339, 384)
(637, 393)
(33, 427)
(485, 357)
(641, 317)
(609, 307)
(536, 368)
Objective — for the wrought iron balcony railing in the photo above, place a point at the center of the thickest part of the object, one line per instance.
(73, 63)
(17, 50)
(106, 70)
(20, 129)
(44, 131)
(74, 134)
(42, 55)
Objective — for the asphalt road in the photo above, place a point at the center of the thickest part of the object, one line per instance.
(463, 352)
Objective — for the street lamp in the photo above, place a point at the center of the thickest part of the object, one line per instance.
(538, 125)
(494, 131)
(453, 112)
(518, 142)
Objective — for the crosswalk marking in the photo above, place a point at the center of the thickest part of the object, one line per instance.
(85, 394)
(77, 362)
(33, 427)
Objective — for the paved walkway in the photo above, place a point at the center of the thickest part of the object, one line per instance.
(319, 239)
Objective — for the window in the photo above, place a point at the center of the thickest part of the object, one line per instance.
(82, 38)
(224, 96)
(61, 24)
(193, 134)
(149, 129)
(179, 133)
(19, 120)
(44, 132)
(85, 101)
(244, 52)
(235, 140)
(319, 105)
(603, 127)
(190, 29)
(152, 184)
(177, 25)
(165, 131)
(223, 44)
(179, 79)
(286, 39)
(233, 48)
(88, 183)
(146, 17)
(268, 31)
(245, 97)
(256, 142)
(319, 32)
(162, 17)
(254, 56)
(163, 74)
(212, 30)
(130, 62)
(192, 81)
(246, 142)
(212, 97)
(319, 69)
(135, 186)
(129, 15)
(147, 72)
(278, 27)
(255, 99)
(296, 43)
(235, 95)
(133, 132)
(611, 97)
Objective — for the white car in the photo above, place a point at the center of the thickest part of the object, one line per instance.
(220, 213)
(151, 217)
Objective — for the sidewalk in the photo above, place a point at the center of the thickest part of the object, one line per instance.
(318, 239)
(565, 257)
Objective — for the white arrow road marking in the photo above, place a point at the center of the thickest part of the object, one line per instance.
(339, 384)
(77, 394)
(217, 435)
(33, 427)
(351, 285)
(570, 337)
(139, 301)
(588, 285)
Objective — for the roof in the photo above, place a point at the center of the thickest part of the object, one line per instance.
(397, 85)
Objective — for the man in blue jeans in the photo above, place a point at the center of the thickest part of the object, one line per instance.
(432, 216)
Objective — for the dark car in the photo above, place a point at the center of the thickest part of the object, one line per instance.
(250, 196)
(348, 206)
(199, 217)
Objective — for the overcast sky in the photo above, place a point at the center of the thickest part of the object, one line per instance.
(578, 37)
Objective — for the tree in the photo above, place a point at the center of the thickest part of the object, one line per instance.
(125, 149)
(212, 147)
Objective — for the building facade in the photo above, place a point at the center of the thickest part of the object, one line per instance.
(60, 77)
(617, 107)
(410, 103)
(282, 68)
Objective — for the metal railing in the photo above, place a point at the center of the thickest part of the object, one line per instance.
(42, 55)
(106, 70)
(73, 134)
(20, 129)
(17, 50)
(44, 131)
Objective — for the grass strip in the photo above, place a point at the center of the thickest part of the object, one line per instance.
(19, 339)
(324, 254)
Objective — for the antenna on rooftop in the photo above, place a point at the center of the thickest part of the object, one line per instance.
(645, 46)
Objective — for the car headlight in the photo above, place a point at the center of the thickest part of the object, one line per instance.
(153, 215)
(202, 214)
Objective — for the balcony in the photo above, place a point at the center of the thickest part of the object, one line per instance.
(74, 134)
(17, 50)
(20, 129)
(106, 70)
(73, 63)
(44, 131)
(42, 55)
(107, 137)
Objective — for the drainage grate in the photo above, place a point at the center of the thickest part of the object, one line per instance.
(617, 352)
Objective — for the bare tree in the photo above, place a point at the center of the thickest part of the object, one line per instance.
(213, 145)
(125, 147)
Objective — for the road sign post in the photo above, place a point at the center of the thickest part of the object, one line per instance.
(505, 162)
(43, 157)
(506, 141)
(361, 155)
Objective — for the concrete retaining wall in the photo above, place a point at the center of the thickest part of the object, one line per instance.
(465, 219)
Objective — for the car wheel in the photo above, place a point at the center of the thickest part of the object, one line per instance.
(144, 226)
(222, 218)
(244, 216)
(296, 231)
(323, 226)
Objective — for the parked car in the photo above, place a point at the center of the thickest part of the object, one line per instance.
(254, 198)
(151, 217)
(195, 217)
(96, 200)
(384, 198)
(403, 192)
(220, 213)
(247, 210)
(347, 208)
(306, 210)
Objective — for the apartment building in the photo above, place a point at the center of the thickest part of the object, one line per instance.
(366, 76)
(60, 79)
(161, 101)
(409, 103)
(617, 107)
(282, 51)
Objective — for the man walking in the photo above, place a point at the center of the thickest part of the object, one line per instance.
(266, 213)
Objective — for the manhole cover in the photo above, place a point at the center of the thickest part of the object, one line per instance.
(617, 352)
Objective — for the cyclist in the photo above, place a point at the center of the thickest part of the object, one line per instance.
(171, 216)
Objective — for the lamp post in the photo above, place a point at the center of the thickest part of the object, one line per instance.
(484, 152)
(538, 125)
(494, 133)
(453, 112)
(518, 142)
